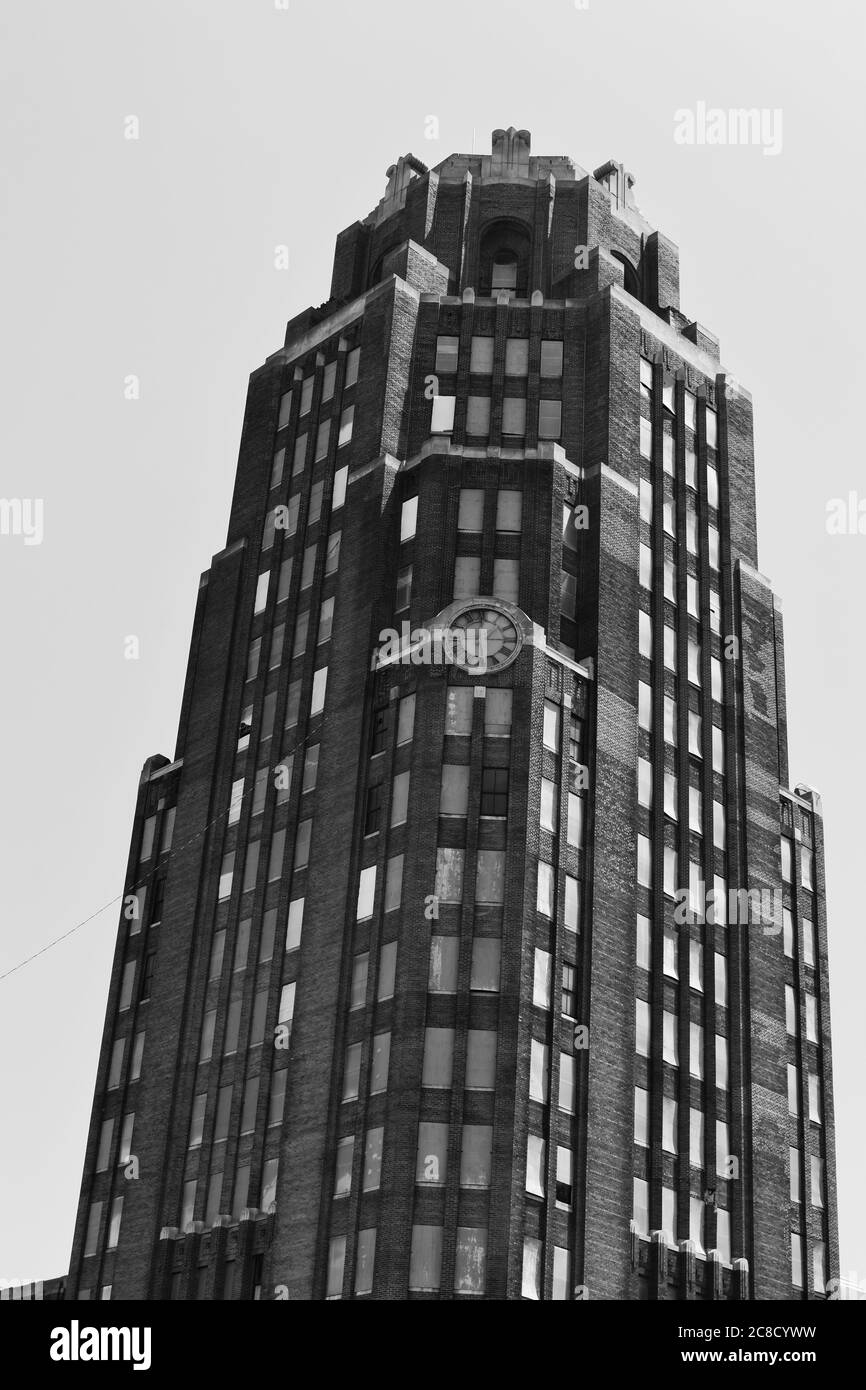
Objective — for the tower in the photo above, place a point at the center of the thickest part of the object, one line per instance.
(472, 944)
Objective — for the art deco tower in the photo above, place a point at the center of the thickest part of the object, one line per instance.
(404, 1004)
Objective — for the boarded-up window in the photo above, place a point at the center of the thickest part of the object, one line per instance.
(490, 876)
(475, 1155)
(431, 1164)
(425, 1258)
(449, 875)
(444, 954)
(438, 1063)
(470, 1260)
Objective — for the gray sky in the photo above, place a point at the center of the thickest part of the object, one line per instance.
(259, 127)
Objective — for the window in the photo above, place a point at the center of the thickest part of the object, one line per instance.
(551, 358)
(640, 1205)
(549, 419)
(644, 782)
(481, 357)
(645, 634)
(105, 1136)
(320, 683)
(294, 924)
(721, 1062)
(408, 519)
(94, 1219)
(535, 1150)
(352, 362)
(514, 416)
(366, 893)
(532, 1268)
(352, 1072)
(644, 861)
(338, 496)
(544, 891)
(425, 1258)
(721, 980)
(393, 882)
(336, 1265)
(444, 956)
(645, 566)
(484, 978)
(478, 416)
(454, 792)
(645, 488)
(569, 982)
(262, 592)
(431, 1162)
(329, 377)
(794, 1173)
(641, 1117)
(541, 979)
(207, 1032)
(539, 1071)
(285, 410)
(147, 976)
(467, 576)
(669, 952)
(387, 971)
(567, 1077)
(299, 456)
(458, 710)
(790, 1012)
(480, 1059)
(470, 515)
(442, 418)
(696, 1138)
(814, 1098)
(796, 1260)
(669, 1214)
(695, 734)
(302, 844)
(438, 1061)
(115, 1218)
(669, 1124)
(381, 1062)
(643, 942)
(816, 1172)
(446, 354)
(670, 1046)
(516, 356)
(646, 437)
(347, 425)
(449, 875)
(373, 1160)
(497, 713)
(793, 1090)
(343, 1173)
(572, 908)
(332, 555)
(475, 1155)
(644, 705)
(126, 985)
(323, 435)
(404, 589)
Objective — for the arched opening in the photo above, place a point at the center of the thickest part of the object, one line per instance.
(631, 279)
(504, 261)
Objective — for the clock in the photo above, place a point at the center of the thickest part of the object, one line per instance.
(488, 636)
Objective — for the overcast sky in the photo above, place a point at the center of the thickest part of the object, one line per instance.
(262, 126)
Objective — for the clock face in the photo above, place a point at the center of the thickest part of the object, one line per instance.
(491, 638)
